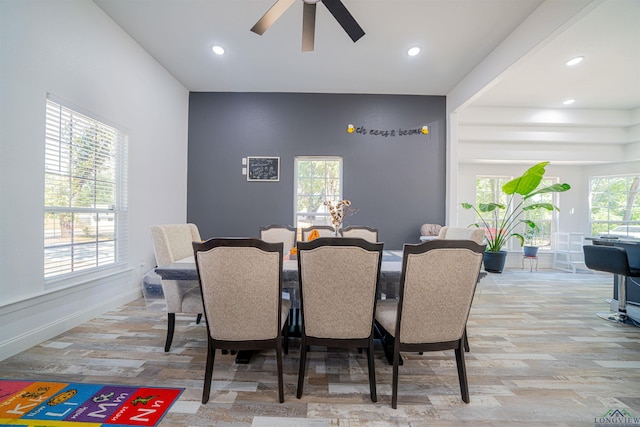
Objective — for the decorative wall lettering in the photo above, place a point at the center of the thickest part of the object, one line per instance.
(390, 133)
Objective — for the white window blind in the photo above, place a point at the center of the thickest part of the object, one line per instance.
(85, 203)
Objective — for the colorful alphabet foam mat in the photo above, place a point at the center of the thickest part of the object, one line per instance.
(57, 404)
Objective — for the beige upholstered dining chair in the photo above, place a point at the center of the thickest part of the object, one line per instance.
(367, 233)
(241, 283)
(323, 230)
(280, 233)
(338, 278)
(437, 285)
(171, 243)
(462, 233)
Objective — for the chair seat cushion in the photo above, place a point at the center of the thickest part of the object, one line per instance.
(386, 314)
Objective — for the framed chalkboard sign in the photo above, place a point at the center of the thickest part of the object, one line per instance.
(263, 169)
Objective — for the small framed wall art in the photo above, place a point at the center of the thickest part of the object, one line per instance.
(263, 169)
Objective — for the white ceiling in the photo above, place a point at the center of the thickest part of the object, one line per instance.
(455, 36)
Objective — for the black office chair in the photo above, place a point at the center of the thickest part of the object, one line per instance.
(612, 259)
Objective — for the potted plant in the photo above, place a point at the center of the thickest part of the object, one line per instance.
(531, 236)
(507, 217)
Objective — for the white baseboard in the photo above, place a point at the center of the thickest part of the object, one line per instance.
(35, 336)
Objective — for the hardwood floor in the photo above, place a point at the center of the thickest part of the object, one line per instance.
(539, 356)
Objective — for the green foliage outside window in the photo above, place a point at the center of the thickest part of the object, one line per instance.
(614, 203)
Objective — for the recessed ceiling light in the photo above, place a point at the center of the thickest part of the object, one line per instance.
(413, 51)
(574, 61)
(569, 101)
(218, 50)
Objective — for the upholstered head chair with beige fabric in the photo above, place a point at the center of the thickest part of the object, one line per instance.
(367, 233)
(338, 278)
(438, 282)
(462, 233)
(280, 233)
(323, 230)
(171, 243)
(241, 282)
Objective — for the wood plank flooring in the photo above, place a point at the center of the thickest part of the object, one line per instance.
(539, 356)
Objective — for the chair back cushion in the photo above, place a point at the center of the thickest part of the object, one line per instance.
(366, 233)
(280, 233)
(437, 289)
(462, 233)
(172, 242)
(323, 231)
(338, 278)
(241, 287)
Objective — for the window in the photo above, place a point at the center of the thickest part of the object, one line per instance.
(614, 205)
(317, 179)
(489, 190)
(547, 221)
(85, 216)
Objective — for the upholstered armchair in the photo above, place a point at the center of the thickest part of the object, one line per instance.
(172, 243)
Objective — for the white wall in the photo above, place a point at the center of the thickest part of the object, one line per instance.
(71, 49)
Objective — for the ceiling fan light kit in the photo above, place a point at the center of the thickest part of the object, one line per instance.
(335, 7)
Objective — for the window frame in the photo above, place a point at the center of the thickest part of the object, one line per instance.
(96, 209)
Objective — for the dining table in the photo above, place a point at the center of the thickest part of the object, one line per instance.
(390, 269)
(184, 270)
(388, 286)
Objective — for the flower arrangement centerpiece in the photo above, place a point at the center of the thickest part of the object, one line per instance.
(338, 212)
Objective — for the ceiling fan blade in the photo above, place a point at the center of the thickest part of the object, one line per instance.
(344, 18)
(308, 26)
(271, 16)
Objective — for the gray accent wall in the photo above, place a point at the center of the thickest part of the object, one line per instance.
(397, 182)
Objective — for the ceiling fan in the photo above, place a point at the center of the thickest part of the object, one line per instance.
(337, 9)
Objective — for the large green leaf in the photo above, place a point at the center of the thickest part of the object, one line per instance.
(489, 207)
(555, 188)
(527, 182)
(534, 206)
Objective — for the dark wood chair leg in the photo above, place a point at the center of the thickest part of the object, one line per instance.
(171, 326)
(279, 367)
(208, 372)
(462, 372)
(394, 380)
(372, 372)
(466, 340)
(285, 335)
(303, 363)
(199, 318)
